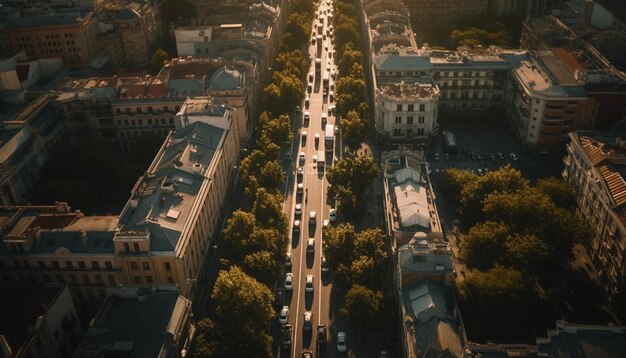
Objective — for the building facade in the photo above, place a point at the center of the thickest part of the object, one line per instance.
(70, 36)
(595, 167)
(163, 235)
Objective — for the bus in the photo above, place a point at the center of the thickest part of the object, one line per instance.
(449, 141)
(329, 137)
(319, 46)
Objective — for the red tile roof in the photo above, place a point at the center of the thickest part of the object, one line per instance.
(568, 59)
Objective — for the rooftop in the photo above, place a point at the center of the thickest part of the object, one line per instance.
(139, 326)
(163, 200)
(535, 80)
(580, 340)
(48, 18)
(412, 199)
(421, 89)
(421, 255)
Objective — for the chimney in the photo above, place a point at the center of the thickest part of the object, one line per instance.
(588, 11)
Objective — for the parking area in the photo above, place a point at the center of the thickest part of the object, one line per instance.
(487, 143)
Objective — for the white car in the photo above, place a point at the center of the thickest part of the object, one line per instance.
(325, 223)
(308, 287)
(298, 210)
(301, 158)
(310, 245)
(332, 215)
(308, 320)
(341, 341)
(296, 226)
(283, 316)
(312, 215)
(289, 281)
(300, 188)
(288, 259)
(314, 158)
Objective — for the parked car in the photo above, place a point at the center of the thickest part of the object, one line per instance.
(321, 335)
(308, 286)
(341, 342)
(296, 226)
(312, 215)
(332, 215)
(298, 210)
(308, 319)
(301, 158)
(288, 259)
(283, 315)
(289, 281)
(310, 245)
(285, 337)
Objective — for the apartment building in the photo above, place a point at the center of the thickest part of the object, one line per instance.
(132, 25)
(27, 139)
(43, 32)
(595, 167)
(162, 236)
(140, 322)
(38, 321)
(407, 110)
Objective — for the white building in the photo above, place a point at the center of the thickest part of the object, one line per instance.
(193, 41)
(407, 110)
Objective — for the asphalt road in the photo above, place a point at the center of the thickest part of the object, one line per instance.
(313, 198)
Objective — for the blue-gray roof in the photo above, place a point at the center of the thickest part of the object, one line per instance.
(94, 242)
(394, 62)
(225, 79)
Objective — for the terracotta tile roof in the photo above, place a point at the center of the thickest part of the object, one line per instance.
(615, 183)
(594, 150)
(568, 59)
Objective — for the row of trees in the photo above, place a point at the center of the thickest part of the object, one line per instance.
(255, 241)
(349, 180)
(360, 261)
(520, 236)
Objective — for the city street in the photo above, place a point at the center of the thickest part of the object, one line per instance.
(312, 198)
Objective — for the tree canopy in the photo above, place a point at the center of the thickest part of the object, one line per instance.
(363, 307)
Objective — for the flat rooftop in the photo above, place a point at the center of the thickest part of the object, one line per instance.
(166, 195)
(417, 90)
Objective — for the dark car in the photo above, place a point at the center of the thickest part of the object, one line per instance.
(321, 335)
(279, 298)
(285, 336)
(307, 354)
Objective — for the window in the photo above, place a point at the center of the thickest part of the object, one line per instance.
(398, 119)
(410, 108)
(86, 280)
(168, 267)
(420, 131)
(165, 108)
(108, 265)
(73, 279)
(69, 264)
(138, 109)
(140, 122)
(132, 122)
(81, 264)
(55, 264)
(99, 280)
(42, 264)
(126, 247)
(150, 121)
(409, 120)
(95, 265)
(60, 278)
(137, 280)
(136, 247)
(149, 279)
(111, 280)
(422, 107)
(399, 108)
(170, 279)
(134, 266)
(171, 120)
(397, 132)
(146, 266)
(420, 119)
(149, 109)
(162, 120)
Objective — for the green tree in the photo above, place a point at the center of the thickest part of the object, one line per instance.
(206, 339)
(484, 247)
(338, 244)
(559, 192)
(356, 173)
(528, 254)
(352, 130)
(156, 61)
(272, 177)
(243, 308)
(349, 57)
(363, 307)
(268, 210)
(238, 235)
(262, 266)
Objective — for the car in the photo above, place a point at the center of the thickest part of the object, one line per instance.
(332, 215)
(279, 298)
(308, 320)
(288, 155)
(314, 158)
(300, 188)
(306, 102)
(325, 92)
(298, 210)
(513, 156)
(446, 156)
(304, 136)
(311, 77)
(299, 173)
(288, 259)
(309, 88)
(500, 156)
(296, 226)
(307, 354)
(313, 40)
(436, 156)
(341, 341)
(480, 171)
(312, 215)
(317, 140)
(492, 157)
(308, 286)
(479, 157)
(486, 170)
(322, 335)
(310, 245)
(283, 316)
(285, 337)
(298, 109)
(307, 117)
(325, 223)
(288, 281)
(301, 158)
(383, 354)
(324, 265)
